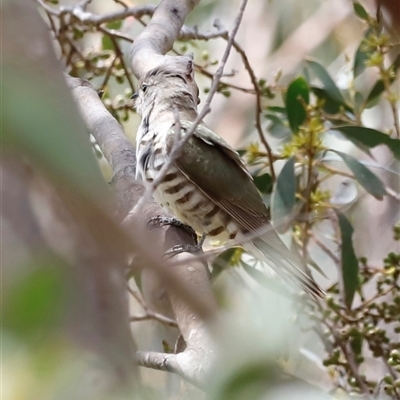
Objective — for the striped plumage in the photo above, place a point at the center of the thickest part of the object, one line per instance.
(208, 186)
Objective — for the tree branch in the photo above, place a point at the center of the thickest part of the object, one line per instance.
(160, 34)
(185, 277)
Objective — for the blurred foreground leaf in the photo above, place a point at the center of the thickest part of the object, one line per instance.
(250, 382)
(44, 124)
(36, 302)
(228, 258)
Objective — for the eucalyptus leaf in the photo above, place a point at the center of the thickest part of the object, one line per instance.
(379, 87)
(277, 109)
(373, 96)
(361, 56)
(368, 180)
(349, 260)
(277, 128)
(358, 102)
(360, 11)
(264, 183)
(330, 106)
(328, 83)
(284, 196)
(370, 138)
(297, 95)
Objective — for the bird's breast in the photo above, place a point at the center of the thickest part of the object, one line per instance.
(183, 198)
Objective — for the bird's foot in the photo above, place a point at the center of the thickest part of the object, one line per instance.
(187, 248)
(158, 221)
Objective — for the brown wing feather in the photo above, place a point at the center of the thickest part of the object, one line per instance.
(217, 170)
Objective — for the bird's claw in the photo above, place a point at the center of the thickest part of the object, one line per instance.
(186, 248)
(159, 221)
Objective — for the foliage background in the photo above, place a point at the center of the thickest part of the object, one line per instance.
(352, 349)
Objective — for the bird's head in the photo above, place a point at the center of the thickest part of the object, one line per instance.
(170, 83)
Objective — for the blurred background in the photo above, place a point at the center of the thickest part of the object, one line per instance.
(64, 298)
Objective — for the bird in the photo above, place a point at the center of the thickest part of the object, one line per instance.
(207, 187)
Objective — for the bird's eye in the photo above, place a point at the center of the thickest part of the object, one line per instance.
(144, 87)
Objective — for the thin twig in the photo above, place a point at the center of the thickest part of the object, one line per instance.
(149, 314)
(349, 357)
(258, 107)
(115, 34)
(324, 247)
(121, 3)
(120, 55)
(83, 4)
(108, 73)
(154, 316)
(393, 194)
(393, 375)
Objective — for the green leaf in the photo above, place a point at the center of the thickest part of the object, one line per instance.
(284, 196)
(264, 183)
(228, 258)
(358, 102)
(114, 25)
(37, 301)
(349, 260)
(356, 343)
(330, 106)
(250, 382)
(376, 91)
(379, 86)
(45, 126)
(361, 56)
(360, 11)
(329, 85)
(368, 180)
(297, 94)
(276, 109)
(107, 43)
(370, 138)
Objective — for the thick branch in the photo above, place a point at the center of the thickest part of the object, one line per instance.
(185, 277)
(160, 34)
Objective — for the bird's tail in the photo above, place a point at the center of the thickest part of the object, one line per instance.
(270, 248)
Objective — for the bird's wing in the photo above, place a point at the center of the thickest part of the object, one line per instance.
(217, 170)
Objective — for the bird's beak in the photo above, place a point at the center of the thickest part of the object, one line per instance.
(135, 96)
